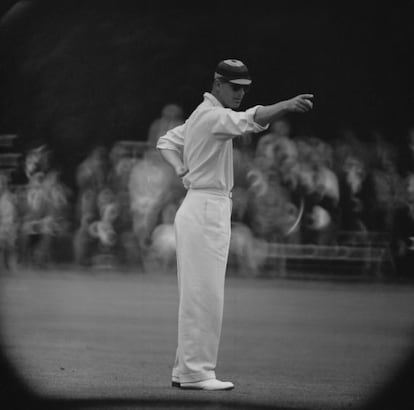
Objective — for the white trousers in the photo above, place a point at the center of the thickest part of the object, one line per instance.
(202, 227)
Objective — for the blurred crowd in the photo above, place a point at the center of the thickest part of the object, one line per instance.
(289, 188)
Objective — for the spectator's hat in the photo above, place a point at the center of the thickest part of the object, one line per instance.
(233, 71)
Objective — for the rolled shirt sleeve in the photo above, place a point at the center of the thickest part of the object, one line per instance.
(173, 139)
(232, 124)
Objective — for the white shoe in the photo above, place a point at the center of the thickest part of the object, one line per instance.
(210, 385)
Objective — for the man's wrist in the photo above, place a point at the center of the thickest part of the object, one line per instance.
(180, 170)
(285, 107)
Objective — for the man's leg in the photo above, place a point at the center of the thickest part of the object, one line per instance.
(202, 250)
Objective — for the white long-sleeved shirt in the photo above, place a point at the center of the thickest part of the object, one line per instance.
(205, 142)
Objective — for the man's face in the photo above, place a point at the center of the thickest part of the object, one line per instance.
(231, 95)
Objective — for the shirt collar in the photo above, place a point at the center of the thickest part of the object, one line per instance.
(212, 100)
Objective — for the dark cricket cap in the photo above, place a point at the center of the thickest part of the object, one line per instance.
(234, 71)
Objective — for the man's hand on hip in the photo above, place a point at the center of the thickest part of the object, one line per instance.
(181, 170)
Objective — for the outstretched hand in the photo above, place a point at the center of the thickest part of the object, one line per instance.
(301, 103)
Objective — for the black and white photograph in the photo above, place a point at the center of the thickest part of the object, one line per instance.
(206, 205)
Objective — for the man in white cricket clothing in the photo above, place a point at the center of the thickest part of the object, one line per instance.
(201, 153)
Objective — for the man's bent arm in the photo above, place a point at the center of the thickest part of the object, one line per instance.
(173, 158)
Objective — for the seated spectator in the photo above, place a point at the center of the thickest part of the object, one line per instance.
(46, 217)
(120, 164)
(243, 163)
(356, 193)
(122, 160)
(318, 187)
(8, 224)
(273, 206)
(92, 172)
(103, 230)
(35, 242)
(85, 245)
(162, 251)
(403, 232)
(387, 185)
(58, 215)
(247, 253)
(270, 211)
(152, 184)
(91, 178)
(37, 159)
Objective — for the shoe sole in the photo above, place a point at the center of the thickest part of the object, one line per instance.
(178, 385)
(200, 388)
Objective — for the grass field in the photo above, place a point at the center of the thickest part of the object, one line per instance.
(106, 339)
